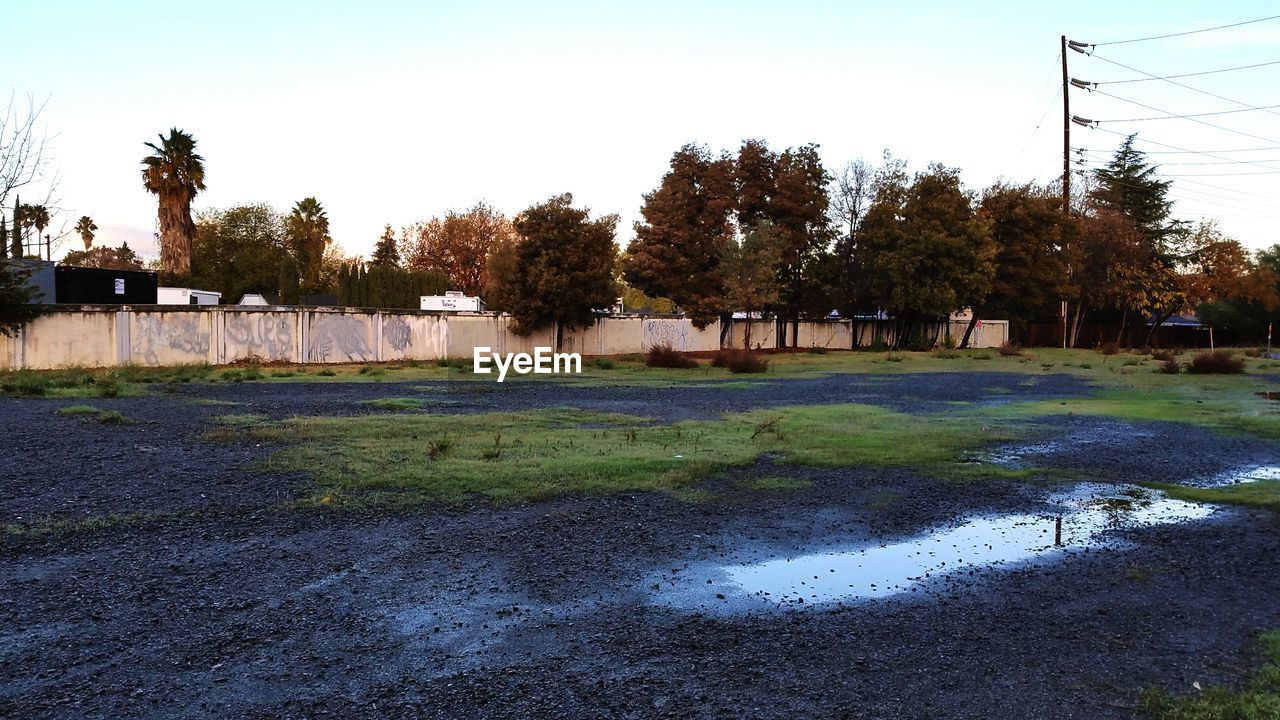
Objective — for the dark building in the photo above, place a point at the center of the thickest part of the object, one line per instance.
(40, 275)
(93, 286)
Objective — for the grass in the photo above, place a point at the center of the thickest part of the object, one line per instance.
(106, 417)
(1260, 493)
(1258, 698)
(410, 459)
(396, 403)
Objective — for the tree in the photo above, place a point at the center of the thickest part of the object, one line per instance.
(24, 156)
(18, 248)
(107, 258)
(798, 211)
(387, 286)
(677, 248)
(1129, 191)
(17, 306)
(927, 251)
(1029, 232)
(86, 227)
(308, 234)
(750, 271)
(4, 237)
(240, 250)
(386, 254)
(174, 172)
(36, 216)
(563, 267)
(459, 245)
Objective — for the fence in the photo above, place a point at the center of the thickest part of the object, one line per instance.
(103, 336)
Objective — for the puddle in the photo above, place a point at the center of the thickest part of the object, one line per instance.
(1252, 473)
(1090, 515)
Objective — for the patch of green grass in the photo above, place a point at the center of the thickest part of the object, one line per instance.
(1258, 697)
(79, 410)
(241, 420)
(113, 417)
(406, 459)
(106, 417)
(326, 373)
(775, 483)
(1260, 493)
(396, 403)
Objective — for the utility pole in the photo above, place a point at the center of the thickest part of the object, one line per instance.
(1066, 133)
(1066, 160)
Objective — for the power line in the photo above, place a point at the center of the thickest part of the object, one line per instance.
(1182, 85)
(1185, 75)
(1184, 117)
(1182, 149)
(1188, 32)
(1187, 116)
(1162, 163)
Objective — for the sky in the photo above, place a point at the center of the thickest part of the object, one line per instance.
(395, 112)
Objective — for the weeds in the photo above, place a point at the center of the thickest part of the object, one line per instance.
(1109, 348)
(438, 447)
(1009, 350)
(738, 360)
(1171, 366)
(1217, 362)
(664, 356)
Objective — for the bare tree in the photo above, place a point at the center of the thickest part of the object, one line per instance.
(851, 193)
(24, 149)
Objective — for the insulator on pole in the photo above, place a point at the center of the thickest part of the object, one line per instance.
(1083, 121)
(1079, 46)
(1082, 84)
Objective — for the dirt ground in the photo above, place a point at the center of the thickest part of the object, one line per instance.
(215, 602)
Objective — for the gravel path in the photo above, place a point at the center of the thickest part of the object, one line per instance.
(547, 609)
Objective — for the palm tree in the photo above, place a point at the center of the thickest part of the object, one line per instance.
(309, 235)
(175, 174)
(85, 226)
(37, 216)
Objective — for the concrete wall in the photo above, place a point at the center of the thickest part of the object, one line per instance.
(99, 336)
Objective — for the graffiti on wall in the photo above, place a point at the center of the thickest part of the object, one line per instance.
(264, 335)
(152, 334)
(397, 334)
(676, 333)
(335, 338)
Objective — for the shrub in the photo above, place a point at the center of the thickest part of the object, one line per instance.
(1254, 352)
(742, 361)
(1009, 350)
(817, 350)
(326, 373)
(1109, 348)
(1162, 355)
(946, 354)
(601, 363)
(878, 346)
(664, 356)
(1217, 362)
(1171, 366)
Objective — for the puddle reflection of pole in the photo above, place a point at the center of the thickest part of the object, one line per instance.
(1057, 532)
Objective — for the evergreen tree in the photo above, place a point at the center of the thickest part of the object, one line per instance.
(386, 253)
(4, 237)
(16, 299)
(18, 249)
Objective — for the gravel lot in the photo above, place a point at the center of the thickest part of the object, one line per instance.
(227, 607)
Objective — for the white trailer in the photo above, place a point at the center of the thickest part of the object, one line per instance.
(452, 301)
(186, 296)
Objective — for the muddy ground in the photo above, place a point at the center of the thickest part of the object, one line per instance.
(224, 606)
